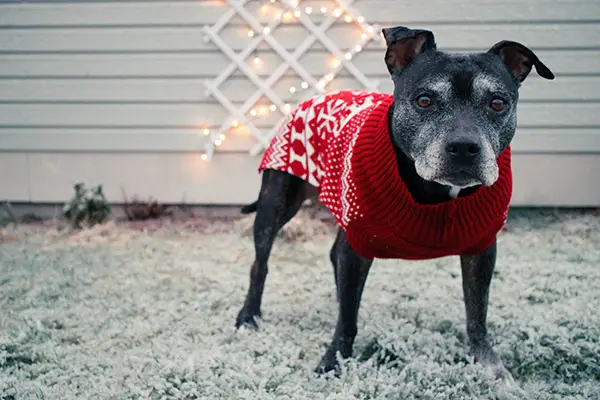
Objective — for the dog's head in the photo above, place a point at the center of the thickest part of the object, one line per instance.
(454, 114)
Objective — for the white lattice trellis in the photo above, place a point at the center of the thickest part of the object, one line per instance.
(262, 33)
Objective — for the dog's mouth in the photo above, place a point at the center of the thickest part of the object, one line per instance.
(458, 176)
(460, 179)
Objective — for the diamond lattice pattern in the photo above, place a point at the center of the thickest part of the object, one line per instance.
(259, 34)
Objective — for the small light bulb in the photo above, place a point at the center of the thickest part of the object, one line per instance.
(304, 85)
(348, 18)
(250, 33)
(308, 10)
(253, 112)
(363, 36)
(256, 60)
(337, 12)
(204, 157)
(297, 13)
(235, 124)
(294, 3)
(264, 8)
(287, 16)
(263, 110)
(348, 56)
(218, 142)
(266, 30)
(222, 136)
(360, 19)
(272, 1)
(278, 15)
(370, 29)
(292, 89)
(287, 108)
(323, 10)
(358, 48)
(335, 63)
(206, 132)
(273, 107)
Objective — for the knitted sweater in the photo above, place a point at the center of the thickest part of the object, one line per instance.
(339, 142)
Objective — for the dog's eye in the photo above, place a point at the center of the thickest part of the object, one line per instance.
(497, 104)
(424, 101)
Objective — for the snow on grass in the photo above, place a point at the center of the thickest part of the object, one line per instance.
(121, 312)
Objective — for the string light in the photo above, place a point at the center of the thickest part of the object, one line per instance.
(204, 157)
(206, 132)
(218, 142)
(335, 63)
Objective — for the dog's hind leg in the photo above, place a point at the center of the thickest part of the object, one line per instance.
(333, 256)
(351, 274)
(281, 196)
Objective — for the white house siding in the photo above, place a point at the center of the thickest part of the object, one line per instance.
(112, 92)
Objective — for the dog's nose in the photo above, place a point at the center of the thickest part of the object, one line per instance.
(463, 149)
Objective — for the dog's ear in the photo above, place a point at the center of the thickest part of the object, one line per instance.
(519, 60)
(404, 44)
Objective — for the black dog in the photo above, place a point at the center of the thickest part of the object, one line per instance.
(452, 117)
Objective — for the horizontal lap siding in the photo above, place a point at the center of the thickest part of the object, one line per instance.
(128, 77)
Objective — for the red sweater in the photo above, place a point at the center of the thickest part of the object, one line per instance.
(339, 142)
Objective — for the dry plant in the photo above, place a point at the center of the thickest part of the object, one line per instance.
(137, 209)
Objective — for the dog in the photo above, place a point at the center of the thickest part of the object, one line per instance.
(440, 148)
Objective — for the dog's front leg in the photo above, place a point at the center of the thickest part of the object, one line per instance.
(477, 271)
(351, 274)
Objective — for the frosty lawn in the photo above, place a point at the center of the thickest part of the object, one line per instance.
(116, 313)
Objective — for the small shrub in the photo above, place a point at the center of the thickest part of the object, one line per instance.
(88, 205)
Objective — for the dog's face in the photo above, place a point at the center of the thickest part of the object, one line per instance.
(454, 114)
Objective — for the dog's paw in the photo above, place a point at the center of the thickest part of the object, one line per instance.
(247, 319)
(499, 372)
(328, 363)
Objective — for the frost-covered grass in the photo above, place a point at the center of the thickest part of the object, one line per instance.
(119, 314)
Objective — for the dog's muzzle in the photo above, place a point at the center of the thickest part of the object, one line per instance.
(460, 162)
